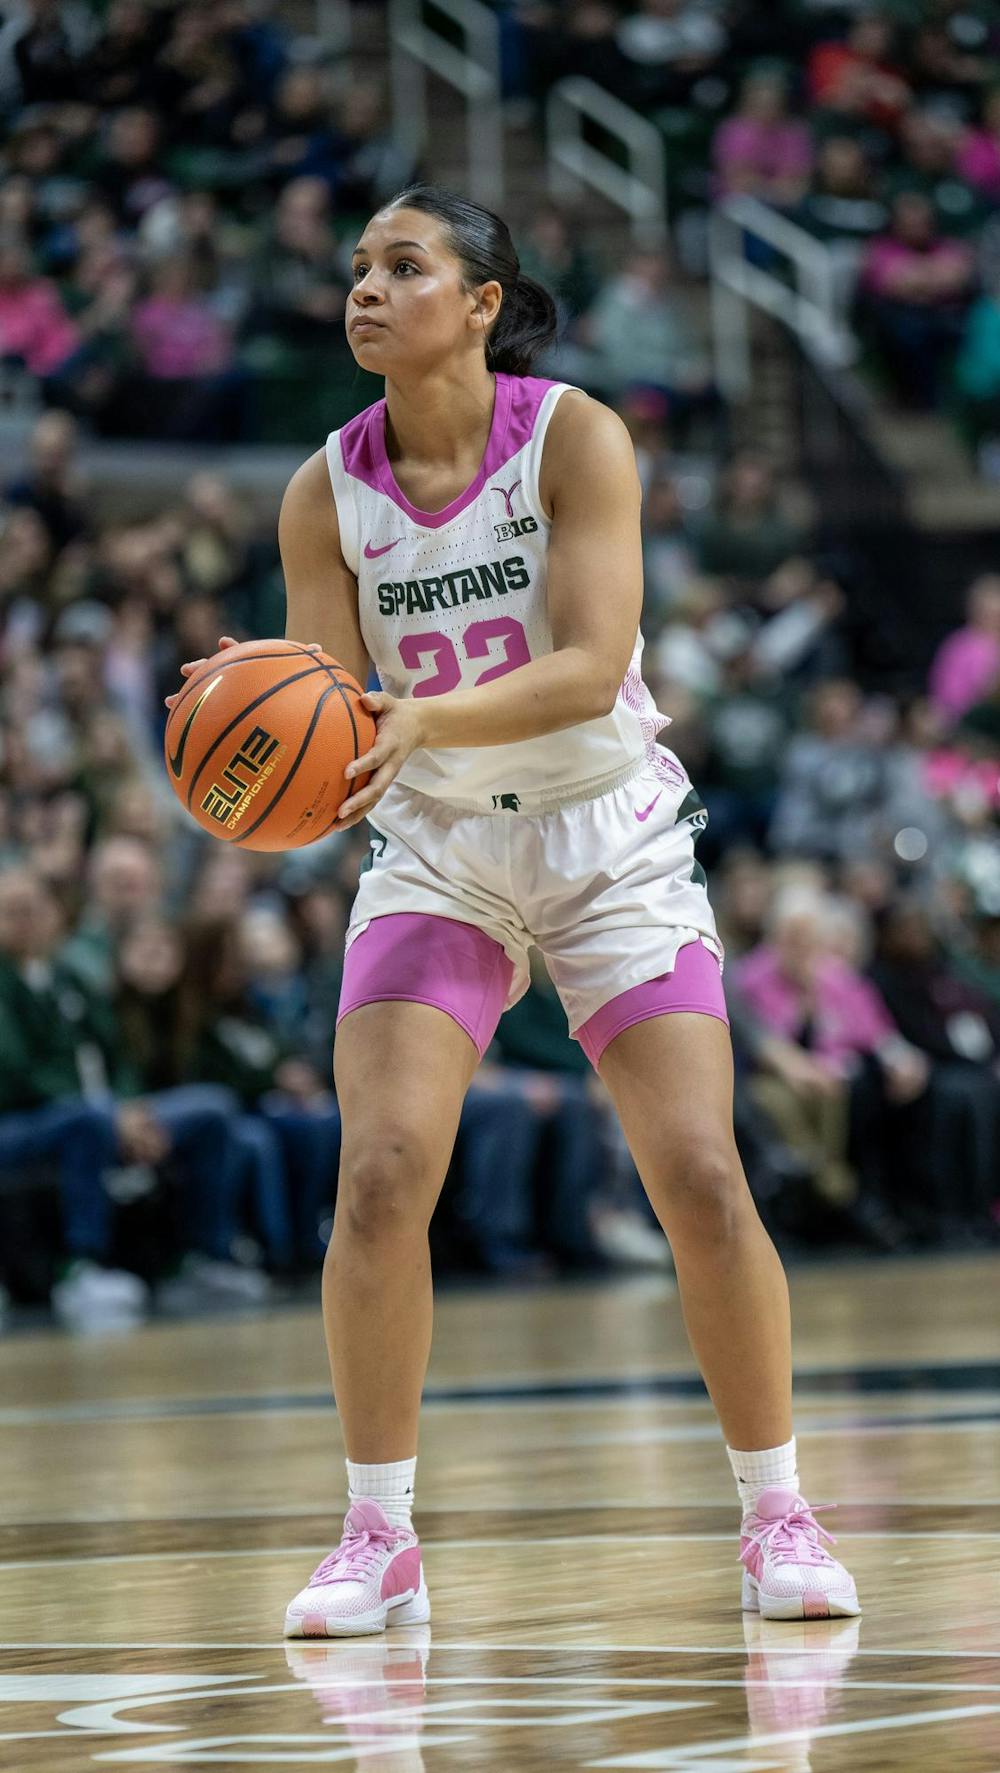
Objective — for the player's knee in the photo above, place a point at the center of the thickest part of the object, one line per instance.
(704, 1194)
(378, 1195)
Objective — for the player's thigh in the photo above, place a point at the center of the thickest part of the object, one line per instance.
(401, 1071)
(671, 1080)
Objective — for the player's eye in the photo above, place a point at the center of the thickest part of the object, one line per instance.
(405, 265)
(360, 270)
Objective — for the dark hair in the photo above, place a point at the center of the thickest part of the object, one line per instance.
(526, 324)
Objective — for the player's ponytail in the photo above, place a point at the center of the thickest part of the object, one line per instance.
(526, 324)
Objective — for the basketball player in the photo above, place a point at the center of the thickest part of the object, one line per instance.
(476, 534)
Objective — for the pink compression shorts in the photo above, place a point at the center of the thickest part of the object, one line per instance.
(458, 968)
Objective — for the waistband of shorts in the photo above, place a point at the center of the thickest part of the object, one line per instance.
(540, 801)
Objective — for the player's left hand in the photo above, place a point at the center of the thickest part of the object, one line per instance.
(399, 732)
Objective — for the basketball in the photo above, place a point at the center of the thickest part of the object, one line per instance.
(257, 743)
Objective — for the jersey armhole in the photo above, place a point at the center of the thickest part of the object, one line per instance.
(533, 454)
(343, 498)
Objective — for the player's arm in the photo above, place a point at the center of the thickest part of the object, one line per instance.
(321, 590)
(594, 591)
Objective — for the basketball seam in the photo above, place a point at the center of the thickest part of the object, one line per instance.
(307, 735)
(224, 664)
(250, 708)
(354, 728)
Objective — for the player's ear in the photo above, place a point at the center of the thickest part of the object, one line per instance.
(486, 304)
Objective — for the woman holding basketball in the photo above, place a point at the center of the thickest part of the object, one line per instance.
(481, 546)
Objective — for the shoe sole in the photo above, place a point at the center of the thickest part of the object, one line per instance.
(406, 1609)
(813, 1604)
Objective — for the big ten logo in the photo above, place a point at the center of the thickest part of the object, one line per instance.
(518, 526)
(230, 795)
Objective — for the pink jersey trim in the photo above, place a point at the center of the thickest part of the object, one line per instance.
(515, 410)
(415, 957)
(695, 985)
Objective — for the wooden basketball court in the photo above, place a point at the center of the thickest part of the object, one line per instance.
(166, 1493)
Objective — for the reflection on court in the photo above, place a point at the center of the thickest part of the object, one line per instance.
(164, 1495)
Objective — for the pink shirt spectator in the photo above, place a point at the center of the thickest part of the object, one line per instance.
(177, 339)
(979, 162)
(964, 670)
(886, 258)
(770, 151)
(851, 1016)
(34, 326)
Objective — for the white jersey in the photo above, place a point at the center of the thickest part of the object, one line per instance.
(455, 598)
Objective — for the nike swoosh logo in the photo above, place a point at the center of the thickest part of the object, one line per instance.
(644, 814)
(373, 553)
(177, 761)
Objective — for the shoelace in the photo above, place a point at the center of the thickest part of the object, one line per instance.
(794, 1538)
(353, 1558)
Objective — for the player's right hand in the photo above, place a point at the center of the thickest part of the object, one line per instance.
(226, 640)
(196, 665)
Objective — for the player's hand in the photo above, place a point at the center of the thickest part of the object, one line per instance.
(193, 665)
(399, 726)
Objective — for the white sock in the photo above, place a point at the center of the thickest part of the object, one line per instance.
(757, 1471)
(390, 1485)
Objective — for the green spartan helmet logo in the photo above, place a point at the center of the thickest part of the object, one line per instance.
(509, 803)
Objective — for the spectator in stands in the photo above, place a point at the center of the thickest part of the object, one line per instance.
(746, 534)
(52, 484)
(668, 555)
(118, 69)
(303, 142)
(372, 163)
(857, 78)
(977, 377)
(575, 37)
(642, 331)
(955, 1023)
(843, 205)
(916, 287)
(667, 45)
(834, 780)
(825, 1021)
(45, 57)
(760, 150)
(966, 665)
(299, 284)
(124, 888)
(35, 329)
(978, 158)
(193, 387)
(556, 254)
(130, 174)
(928, 140)
(69, 1094)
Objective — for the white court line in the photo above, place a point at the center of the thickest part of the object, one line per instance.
(431, 1545)
(292, 1511)
(572, 1648)
(714, 1752)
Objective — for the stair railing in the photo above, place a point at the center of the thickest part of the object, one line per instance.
(639, 188)
(421, 43)
(803, 285)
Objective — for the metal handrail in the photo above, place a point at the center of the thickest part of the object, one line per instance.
(812, 304)
(641, 188)
(416, 48)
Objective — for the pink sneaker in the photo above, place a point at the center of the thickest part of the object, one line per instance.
(787, 1572)
(374, 1578)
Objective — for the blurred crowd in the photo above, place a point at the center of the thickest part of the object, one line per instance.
(873, 128)
(167, 1004)
(181, 185)
(183, 182)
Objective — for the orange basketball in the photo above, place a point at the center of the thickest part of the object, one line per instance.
(258, 740)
